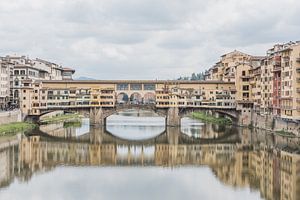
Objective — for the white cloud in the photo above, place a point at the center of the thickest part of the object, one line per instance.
(145, 39)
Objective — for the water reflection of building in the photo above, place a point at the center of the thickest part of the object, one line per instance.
(254, 164)
(59, 130)
(8, 162)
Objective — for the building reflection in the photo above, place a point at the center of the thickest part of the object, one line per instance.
(256, 160)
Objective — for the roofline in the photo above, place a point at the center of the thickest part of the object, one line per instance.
(137, 81)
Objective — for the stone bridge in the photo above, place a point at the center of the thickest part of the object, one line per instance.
(101, 98)
(172, 115)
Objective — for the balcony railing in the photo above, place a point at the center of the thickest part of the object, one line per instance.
(276, 63)
(258, 72)
(276, 68)
(286, 107)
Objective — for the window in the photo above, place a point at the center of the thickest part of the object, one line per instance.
(246, 87)
(135, 86)
(149, 86)
(243, 73)
(123, 86)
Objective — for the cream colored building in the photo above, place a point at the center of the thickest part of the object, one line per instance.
(24, 69)
(42, 95)
(4, 84)
(269, 85)
(290, 79)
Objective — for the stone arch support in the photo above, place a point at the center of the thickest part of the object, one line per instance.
(173, 118)
(97, 117)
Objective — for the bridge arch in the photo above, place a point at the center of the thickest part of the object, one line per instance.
(136, 98)
(125, 107)
(122, 98)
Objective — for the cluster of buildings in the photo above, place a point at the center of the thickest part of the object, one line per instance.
(264, 85)
(15, 71)
(267, 84)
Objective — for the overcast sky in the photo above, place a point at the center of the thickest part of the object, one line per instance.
(143, 39)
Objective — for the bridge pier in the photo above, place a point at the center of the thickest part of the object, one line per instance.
(96, 135)
(173, 134)
(173, 118)
(96, 117)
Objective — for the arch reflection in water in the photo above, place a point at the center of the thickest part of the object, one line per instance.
(66, 130)
(135, 125)
(246, 159)
(197, 129)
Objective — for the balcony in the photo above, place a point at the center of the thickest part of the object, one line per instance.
(277, 63)
(298, 59)
(286, 107)
(276, 68)
(286, 58)
(256, 72)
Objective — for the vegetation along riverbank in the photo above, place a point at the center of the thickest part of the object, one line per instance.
(62, 118)
(16, 127)
(211, 119)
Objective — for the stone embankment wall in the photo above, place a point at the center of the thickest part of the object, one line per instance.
(272, 123)
(10, 116)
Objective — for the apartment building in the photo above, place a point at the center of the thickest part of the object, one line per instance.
(24, 69)
(280, 80)
(4, 85)
(255, 81)
(225, 68)
(290, 81)
(195, 95)
(269, 85)
(38, 96)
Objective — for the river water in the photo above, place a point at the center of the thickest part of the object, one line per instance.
(136, 157)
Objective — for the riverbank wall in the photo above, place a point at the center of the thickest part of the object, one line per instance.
(272, 123)
(10, 116)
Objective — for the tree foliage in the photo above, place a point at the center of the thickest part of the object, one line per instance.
(193, 77)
